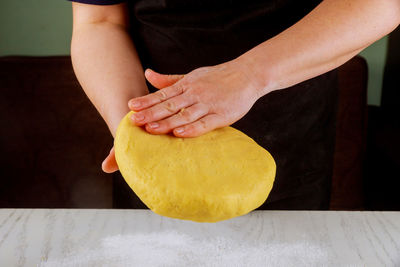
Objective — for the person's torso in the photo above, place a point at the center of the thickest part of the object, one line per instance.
(195, 33)
(296, 125)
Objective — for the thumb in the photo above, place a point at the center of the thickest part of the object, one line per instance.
(161, 81)
(110, 165)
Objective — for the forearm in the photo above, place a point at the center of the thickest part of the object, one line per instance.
(108, 68)
(327, 37)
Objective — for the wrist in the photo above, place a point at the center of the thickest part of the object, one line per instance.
(259, 75)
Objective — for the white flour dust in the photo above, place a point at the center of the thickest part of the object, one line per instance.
(178, 249)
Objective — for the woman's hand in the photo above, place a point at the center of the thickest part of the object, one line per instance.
(196, 103)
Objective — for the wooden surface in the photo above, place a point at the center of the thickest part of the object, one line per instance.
(44, 237)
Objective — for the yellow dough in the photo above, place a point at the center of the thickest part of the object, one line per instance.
(213, 177)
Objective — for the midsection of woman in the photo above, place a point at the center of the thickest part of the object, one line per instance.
(297, 124)
(179, 36)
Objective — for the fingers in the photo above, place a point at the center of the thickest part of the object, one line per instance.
(184, 116)
(162, 110)
(110, 165)
(199, 127)
(143, 102)
(160, 81)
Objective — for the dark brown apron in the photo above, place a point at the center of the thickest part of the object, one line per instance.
(296, 125)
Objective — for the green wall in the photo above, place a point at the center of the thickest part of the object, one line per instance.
(43, 27)
(35, 27)
(375, 55)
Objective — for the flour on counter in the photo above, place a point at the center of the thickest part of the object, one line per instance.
(178, 249)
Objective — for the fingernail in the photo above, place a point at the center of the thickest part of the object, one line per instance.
(137, 117)
(134, 104)
(153, 125)
(179, 130)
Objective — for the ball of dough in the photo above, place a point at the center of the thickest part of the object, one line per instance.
(213, 177)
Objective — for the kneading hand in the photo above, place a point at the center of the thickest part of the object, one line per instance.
(196, 103)
(193, 104)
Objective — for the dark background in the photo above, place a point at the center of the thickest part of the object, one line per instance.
(382, 164)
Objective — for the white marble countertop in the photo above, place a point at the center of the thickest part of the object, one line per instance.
(54, 237)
